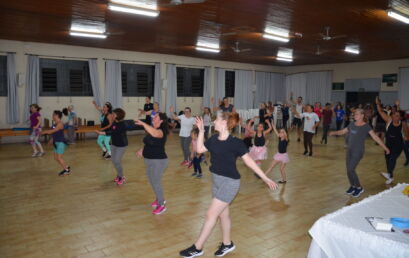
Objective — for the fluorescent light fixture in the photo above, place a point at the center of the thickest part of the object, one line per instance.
(137, 3)
(398, 16)
(352, 49)
(89, 35)
(277, 34)
(208, 49)
(284, 59)
(87, 28)
(133, 10)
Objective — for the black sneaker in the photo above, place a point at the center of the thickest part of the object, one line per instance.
(199, 175)
(310, 154)
(357, 192)
(194, 174)
(191, 252)
(65, 172)
(107, 157)
(224, 249)
(305, 152)
(350, 190)
(298, 140)
(104, 153)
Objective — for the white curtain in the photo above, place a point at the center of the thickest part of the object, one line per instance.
(206, 87)
(171, 93)
(264, 88)
(296, 83)
(403, 93)
(32, 82)
(93, 73)
(243, 95)
(319, 86)
(113, 83)
(12, 109)
(157, 89)
(220, 91)
(279, 90)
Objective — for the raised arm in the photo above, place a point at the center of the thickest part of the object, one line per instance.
(340, 132)
(96, 106)
(379, 141)
(172, 113)
(252, 164)
(269, 128)
(294, 110)
(156, 133)
(200, 139)
(382, 113)
(275, 129)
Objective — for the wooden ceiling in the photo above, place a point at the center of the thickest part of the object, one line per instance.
(177, 28)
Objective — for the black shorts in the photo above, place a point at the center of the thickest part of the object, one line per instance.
(297, 122)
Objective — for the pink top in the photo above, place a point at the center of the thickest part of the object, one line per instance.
(317, 111)
(194, 145)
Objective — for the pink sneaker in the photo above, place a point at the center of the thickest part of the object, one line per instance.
(190, 165)
(116, 179)
(155, 204)
(121, 181)
(159, 210)
(184, 163)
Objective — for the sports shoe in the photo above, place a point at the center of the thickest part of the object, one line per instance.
(65, 172)
(34, 154)
(159, 210)
(305, 152)
(388, 177)
(199, 175)
(155, 204)
(116, 179)
(184, 163)
(108, 157)
(121, 181)
(389, 181)
(350, 190)
(190, 165)
(224, 249)
(40, 154)
(104, 153)
(385, 175)
(357, 192)
(194, 174)
(191, 252)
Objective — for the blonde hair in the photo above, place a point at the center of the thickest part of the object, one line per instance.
(360, 110)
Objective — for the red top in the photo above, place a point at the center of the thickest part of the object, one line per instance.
(327, 116)
(317, 111)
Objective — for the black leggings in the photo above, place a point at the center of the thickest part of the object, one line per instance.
(339, 124)
(406, 148)
(308, 141)
(391, 158)
(325, 133)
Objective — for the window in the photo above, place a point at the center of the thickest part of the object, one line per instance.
(3, 75)
(190, 82)
(230, 82)
(137, 80)
(64, 78)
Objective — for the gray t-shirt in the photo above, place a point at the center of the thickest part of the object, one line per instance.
(357, 136)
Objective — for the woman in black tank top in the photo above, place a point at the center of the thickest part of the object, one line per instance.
(281, 157)
(259, 151)
(393, 138)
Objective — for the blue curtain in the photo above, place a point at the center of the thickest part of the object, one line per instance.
(32, 82)
(12, 96)
(113, 83)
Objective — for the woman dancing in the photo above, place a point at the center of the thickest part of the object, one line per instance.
(156, 160)
(281, 157)
(311, 122)
(357, 132)
(35, 124)
(395, 129)
(224, 149)
(106, 122)
(59, 142)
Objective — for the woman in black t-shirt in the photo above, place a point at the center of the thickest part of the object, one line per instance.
(156, 160)
(224, 149)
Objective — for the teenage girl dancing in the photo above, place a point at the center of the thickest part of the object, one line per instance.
(357, 133)
(207, 119)
(196, 157)
(59, 142)
(281, 157)
(224, 149)
(35, 124)
(119, 142)
(156, 160)
(106, 122)
(395, 129)
(259, 151)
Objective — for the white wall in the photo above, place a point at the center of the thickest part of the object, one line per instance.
(83, 105)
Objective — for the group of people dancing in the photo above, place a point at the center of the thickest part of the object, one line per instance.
(225, 148)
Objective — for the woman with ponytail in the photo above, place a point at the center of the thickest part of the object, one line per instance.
(224, 149)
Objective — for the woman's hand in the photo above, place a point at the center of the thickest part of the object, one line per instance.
(332, 133)
(387, 151)
(199, 123)
(139, 122)
(138, 153)
(271, 184)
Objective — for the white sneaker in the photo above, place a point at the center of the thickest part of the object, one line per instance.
(388, 181)
(34, 154)
(386, 175)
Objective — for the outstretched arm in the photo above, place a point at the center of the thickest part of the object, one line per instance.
(96, 106)
(58, 127)
(252, 164)
(275, 129)
(172, 112)
(340, 132)
(269, 128)
(156, 133)
(379, 141)
(384, 116)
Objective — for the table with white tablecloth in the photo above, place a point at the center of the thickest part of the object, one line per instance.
(346, 232)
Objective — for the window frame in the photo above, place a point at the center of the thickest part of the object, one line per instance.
(228, 92)
(128, 70)
(189, 75)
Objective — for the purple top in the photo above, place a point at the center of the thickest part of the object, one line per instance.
(34, 118)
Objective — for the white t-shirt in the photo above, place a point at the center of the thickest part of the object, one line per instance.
(186, 125)
(206, 120)
(298, 108)
(309, 121)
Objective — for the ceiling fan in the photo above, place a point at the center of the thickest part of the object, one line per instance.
(325, 36)
(237, 50)
(181, 2)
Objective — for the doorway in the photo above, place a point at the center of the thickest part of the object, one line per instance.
(355, 98)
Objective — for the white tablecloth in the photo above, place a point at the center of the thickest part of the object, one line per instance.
(346, 232)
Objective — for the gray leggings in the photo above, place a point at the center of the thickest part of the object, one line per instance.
(116, 157)
(154, 170)
(353, 159)
(185, 143)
